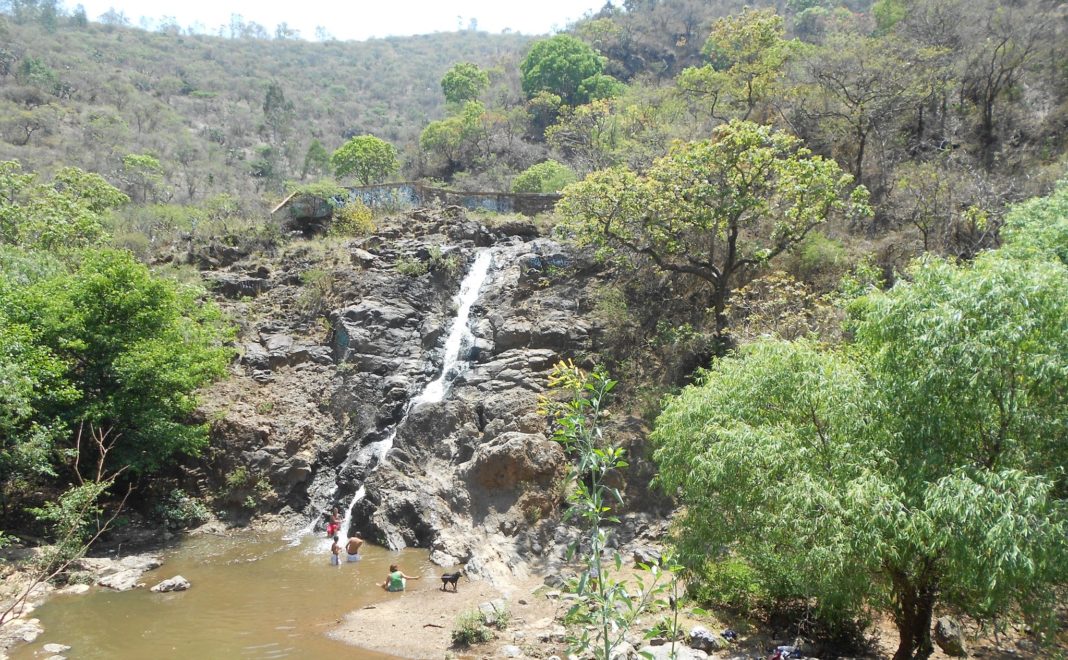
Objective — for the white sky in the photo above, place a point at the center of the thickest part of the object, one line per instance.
(355, 19)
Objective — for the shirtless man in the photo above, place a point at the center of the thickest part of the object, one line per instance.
(352, 548)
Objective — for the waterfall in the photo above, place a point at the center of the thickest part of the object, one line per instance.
(452, 365)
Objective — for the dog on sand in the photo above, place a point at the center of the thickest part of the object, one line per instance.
(450, 578)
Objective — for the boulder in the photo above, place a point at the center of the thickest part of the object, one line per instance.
(511, 651)
(513, 458)
(491, 610)
(664, 653)
(646, 555)
(123, 580)
(176, 583)
(703, 639)
(55, 648)
(949, 635)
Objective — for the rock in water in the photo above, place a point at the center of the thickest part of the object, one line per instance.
(176, 583)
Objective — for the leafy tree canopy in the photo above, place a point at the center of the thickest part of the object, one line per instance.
(108, 343)
(560, 65)
(464, 82)
(546, 177)
(366, 157)
(66, 213)
(713, 208)
(920, 465)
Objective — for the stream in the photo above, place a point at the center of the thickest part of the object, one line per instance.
(252, 596)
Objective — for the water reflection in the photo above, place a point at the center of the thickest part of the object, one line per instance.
(253, 596)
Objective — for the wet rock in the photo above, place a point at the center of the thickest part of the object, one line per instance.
(124, 574)
(55, 648)
(949, 635)
(511, 651)
(176, 583)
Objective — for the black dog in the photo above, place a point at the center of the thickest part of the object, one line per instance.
(450, 578)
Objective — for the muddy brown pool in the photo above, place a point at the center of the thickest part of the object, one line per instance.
(252, 596)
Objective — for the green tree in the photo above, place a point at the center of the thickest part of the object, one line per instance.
(546, 177)
(559, 65)
(133, 346)
(143, 176)
(464, 82)
(920, 465)
(316, 160)
(365, 157)
(715, 209)
(456, 141)
(747, 53)
(67, 213)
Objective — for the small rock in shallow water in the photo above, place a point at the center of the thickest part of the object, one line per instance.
(176, 583)
(55, 648)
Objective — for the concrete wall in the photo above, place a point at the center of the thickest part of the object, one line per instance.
(400, 195)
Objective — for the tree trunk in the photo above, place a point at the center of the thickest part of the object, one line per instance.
(913, 619)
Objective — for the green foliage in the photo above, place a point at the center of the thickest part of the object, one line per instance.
(464, 82)
(143, 176)
(608, 609)
(546, 177)
(134, 347)
(178, 510)
(412, 266)
(454, 141)
(471, 629)
(923, 462)
(559, 65)
(748, 53)
(366, 157)
(600, 86)
(68, 213)
(353, 218)
(1038, 228)
(316, 160)
(731, 584)
(714, 207)
(327, 190)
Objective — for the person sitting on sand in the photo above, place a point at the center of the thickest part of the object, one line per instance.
(335, 552)
(352, 548)
(396, 579)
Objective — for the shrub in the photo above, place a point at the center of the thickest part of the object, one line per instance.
(547, 177)
(179, 510)
(729, 583)
(352, 219)
(471, 629)
(412, 267)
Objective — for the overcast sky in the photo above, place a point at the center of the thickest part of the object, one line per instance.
(356, 19)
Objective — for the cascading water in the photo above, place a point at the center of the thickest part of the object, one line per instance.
(452, 366)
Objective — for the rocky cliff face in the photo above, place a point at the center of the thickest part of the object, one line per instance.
(474, 476)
